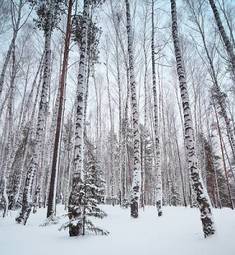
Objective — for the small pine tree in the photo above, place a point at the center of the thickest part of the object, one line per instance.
(93, 183)
(91, 194)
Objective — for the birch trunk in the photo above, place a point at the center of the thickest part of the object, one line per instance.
(74, 208)
(136, 182)
(9, 148)
(111, 136)
(156, 126)
(41, 119)
(198, 187)
(120, 151)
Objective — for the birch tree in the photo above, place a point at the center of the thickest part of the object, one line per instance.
(75, 207)
(197, 184)
(156, 125)
(136, 182)
(48, 13)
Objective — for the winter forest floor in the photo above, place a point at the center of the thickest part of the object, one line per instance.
(178, 232)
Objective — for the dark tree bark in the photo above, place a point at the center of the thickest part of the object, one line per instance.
(52, 189)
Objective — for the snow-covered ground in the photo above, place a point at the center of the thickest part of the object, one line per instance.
(178, 232)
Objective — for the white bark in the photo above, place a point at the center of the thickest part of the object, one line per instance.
(75, 210)
(41, 119)
(197, 184)
(156, 126)
(136, 182)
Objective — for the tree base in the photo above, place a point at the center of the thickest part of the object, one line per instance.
(159, 208)
(208, 227)
(74, 230)
(134, 209)
(24, 215)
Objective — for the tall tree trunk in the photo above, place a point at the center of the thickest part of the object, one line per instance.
(156, 126)
(143, 166)
(9, 148)
(197, 184)
(9, 135)
(120, 147)
(136, 182)
(27, 201)
(180, 168)
(52, 189)
(74, 208)
(111, 133)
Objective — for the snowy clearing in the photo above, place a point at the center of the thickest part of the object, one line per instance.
(178, 232)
